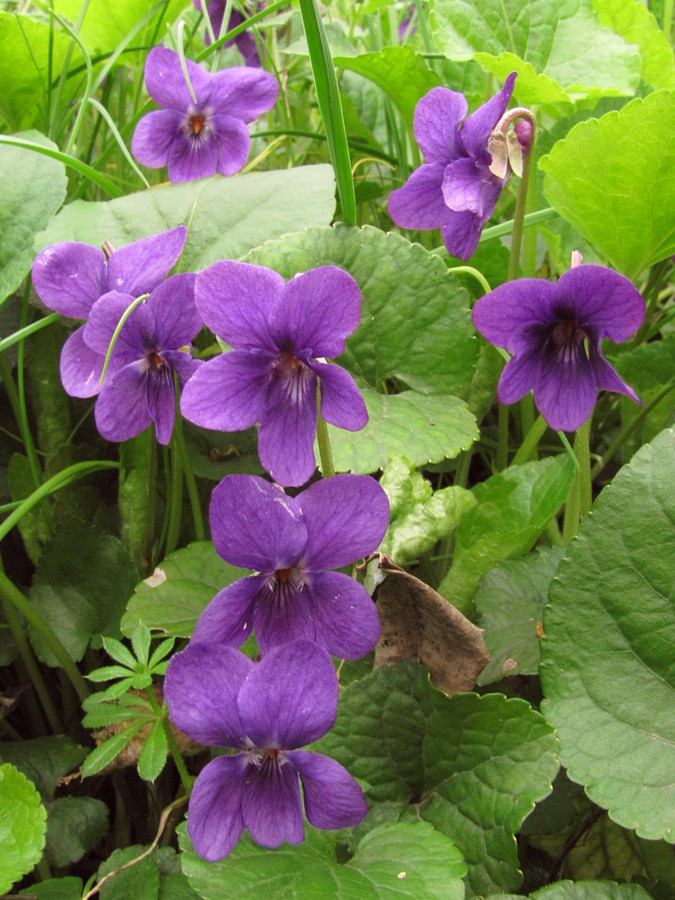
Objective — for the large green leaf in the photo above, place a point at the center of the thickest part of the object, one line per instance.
(226, 216)
(400, 72)
(81, 594)
(44, 760)
(22, 826)
(75, 825)
(69, 888)
(613, 178)
(475, 765)
(513, 509)
(415, 316)
(420, 427)
(176, 594)
(32, 187)
(26, 47)
(394, 860)
(608, 668)
(510, 600)
(559, 50)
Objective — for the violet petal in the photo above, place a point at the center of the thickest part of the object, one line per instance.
(236, 301)
(333, 799)
(140, 267)
(505, 317)
(228, 619)
(105, 317)
(469, 187)
(121, 410)
(461, 232)
(345, 618)
(173, 306)
(255, 525)
(419, 203)
(346, 518)
(165, 82)
(283, 613)
(519, 377)
(270, 804)
(232, 142)
(318, 311)
(81, 367)
(182, 364)
(287, 429)
(201, 689)
(154, 136)
(228, 392)
(70, 277)
(476, 128)
(191, 158)
(341, 402)
(290, 698)
(243, 92)
(160, 398)
(605, 299)
(437, 118)
(607, 377)
(565, 393)
(215, 822)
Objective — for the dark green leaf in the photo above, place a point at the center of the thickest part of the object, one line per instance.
(75, 825)
(44, 760)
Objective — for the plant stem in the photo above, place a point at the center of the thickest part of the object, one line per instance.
(175, 503)
(325, 452)
(530, 442)
(178, 440)
(519, 218)
(580, 498)
(502, 459)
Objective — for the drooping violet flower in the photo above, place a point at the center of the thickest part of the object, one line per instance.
(291, 542)
(70, 277)
(222, 698)
(281, 333)
(198, 137)
(455, 190)
(554, 332)
(152, 344)
(244, 42)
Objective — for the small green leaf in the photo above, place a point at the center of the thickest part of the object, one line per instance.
(23, 823)
(153, 755)
(613, 178)
(118, 651)
(227, 216)
(591, 890)
(75, 825)
(513, 509)
(140, 641)
(69, 888)
(104, 754)
(178, 591)
(108, 673)
(607, 662)
(161, 650)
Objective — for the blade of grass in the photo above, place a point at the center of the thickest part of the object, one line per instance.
(330, 106)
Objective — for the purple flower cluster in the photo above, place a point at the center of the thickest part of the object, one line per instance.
(456, 189)
(554, 332)
(202, 126)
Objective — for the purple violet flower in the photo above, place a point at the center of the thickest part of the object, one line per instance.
(291, 542)
(244, 42)
(454, 190)
(152, 345)
(281, 333)
(197, 138)
(71, 277)
(268, 710)
(554, 333)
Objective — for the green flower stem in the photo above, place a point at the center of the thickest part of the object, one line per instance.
(171, 741)
(325, 452)
(519, 218)
(531, 442)
(23, 333)
(178, 442)
(175, 501)
(469, 270)
(53, 484)
(630, 428)
(247, 23)
(580, 498)
(116, 333)
(12, 595)
(502, 459)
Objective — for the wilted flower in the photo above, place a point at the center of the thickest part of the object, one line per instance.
(554, 333)
(291, 542)
(455, 190)
(150, 347)
(201, 135)
(267, 710)
(244, 42)
(70, 277)
(280, 333)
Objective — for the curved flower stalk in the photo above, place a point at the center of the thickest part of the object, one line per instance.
(267, 711)
(281, 334)
(554, 332)
(202, 127)
(152, 346)
(71, 277)
(459, 184)
(291, 542)
(244, 42)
